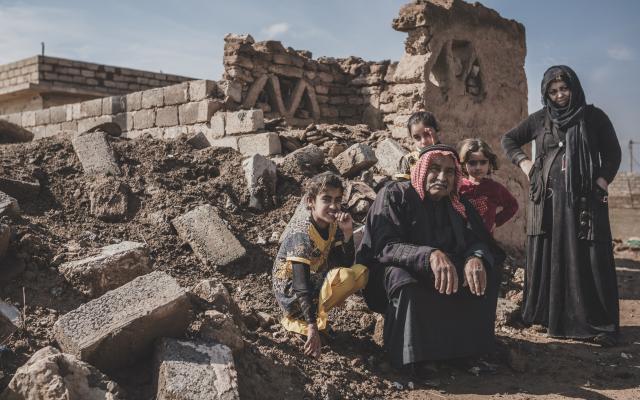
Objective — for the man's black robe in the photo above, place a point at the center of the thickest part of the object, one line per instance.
(420, 323)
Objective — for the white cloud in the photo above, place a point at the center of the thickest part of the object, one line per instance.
(620, 53)
(276, 29)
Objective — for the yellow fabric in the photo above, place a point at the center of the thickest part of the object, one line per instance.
(299, 259)
(318, 261)
(402, 176)
(339, 284)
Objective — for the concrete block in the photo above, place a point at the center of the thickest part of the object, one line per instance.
(87, 124)
(218, 122)
(167, 116)
(10, 320)
(355, 159)
(208, 235)
(114, 266)
(133, 101)
(200, 90)
(152, 98)
(121, 325)
(195, 370)
(144, 119)
(95, 154)
(52, 130)
(260, 173)
(266, 144)
(244, 121)
(220, 328)
(8, 205)
(58, 114)
(198, 112)
(91, 108)
(28, 119)
(389, 152)
(114, 105)
(176, 94)
(232, 90)
(229, 141)
(109, 199)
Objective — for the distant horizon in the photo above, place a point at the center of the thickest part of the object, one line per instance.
(600, 44)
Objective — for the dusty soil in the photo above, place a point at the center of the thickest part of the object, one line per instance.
(169, 178)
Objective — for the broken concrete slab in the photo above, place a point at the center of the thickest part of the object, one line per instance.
(216, 295)
(229, 141)
(95, 154)
(243, 121)
(195, 370)
(355, 159)
(221, 328)
(21, 190)
(305, 160)
(109, 199)
(208, 235)
(121, 325)
(114, 266)
(300, 215)
(53, 375)
(8, 205)
(389, 152)
(10, 320)
(267, 144)
(261, 175)
(5, 237)
(198, 141)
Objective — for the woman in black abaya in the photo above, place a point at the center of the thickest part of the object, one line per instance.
(570, 283)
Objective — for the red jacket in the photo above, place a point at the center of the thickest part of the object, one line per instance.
(486, 197)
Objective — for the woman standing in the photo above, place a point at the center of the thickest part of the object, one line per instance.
(570, 284)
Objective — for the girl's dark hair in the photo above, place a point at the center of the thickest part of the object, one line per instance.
(468, 146)
(320, 182)
(425, 117)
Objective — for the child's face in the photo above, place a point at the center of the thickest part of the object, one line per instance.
(325, 206)
(477, 165)
(423, 136)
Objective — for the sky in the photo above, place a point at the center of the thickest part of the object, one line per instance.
(600, 40)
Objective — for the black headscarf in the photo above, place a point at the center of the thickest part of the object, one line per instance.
(579, 167)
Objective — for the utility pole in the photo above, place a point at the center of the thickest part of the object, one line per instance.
(42, 44)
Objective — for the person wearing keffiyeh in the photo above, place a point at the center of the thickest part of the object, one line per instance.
(433, 265)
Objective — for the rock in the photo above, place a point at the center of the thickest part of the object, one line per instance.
(109, 199)
(389, 152)
(355, 159)
(507, 312)
(306, 160)
(217, 295)
(265, 320)
(20, 190)
(5, 236)
(95, 154)
(121, 325)
(336, 149)
(113, 267)
(209, 237)
(221, 328)
(10, 320)
(8, 205)
(52, 375)
(300, 215)
(378, 331)
(194, 370)
(198, 141)
(266, 144)
(243, 121)
(12, 133)
(260, 173)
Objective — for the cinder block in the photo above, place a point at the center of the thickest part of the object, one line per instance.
(198, 112)
(91, 108)
(133, 101)
(260, 173)
(58, 114)
(229, 141)
(152, 98)
(95, 154)
(194, 370)
(199, 90)
(244, 121)
(389, 152)
(176, 94)
(208, 235)
(114, 105)
(114, 266)
(144, 119)
(266, 144)
(120, 326)
(167, 116)
(218, 121)
(28, 119)
(355, 159)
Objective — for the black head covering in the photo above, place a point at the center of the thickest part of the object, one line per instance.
(440, 147)
(579, 170)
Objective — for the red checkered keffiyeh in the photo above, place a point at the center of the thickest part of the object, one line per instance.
(419, 176)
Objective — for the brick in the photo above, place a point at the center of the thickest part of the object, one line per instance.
(355, 159)
(119, 327)
(208, 235)
(133, 101)
(229, 141)
(167, 116)
(95, 154)
(58, 114)
(152, 98)
(144, 119)
(199, 90)
(194, 370)
(114, 105)
(91, 108)
(114, 266)
(260, 173)
(389, 152)
(176, 94)
(196, 112)
(266, 144)
(243, 121)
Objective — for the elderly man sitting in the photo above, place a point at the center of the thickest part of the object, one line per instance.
(432, 265)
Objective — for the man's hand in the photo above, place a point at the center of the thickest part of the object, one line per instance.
(312, 345)
(345, 223)
(475, 276)
(525, 165)
(444, 272)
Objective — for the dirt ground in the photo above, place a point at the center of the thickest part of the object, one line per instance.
(170, 178)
